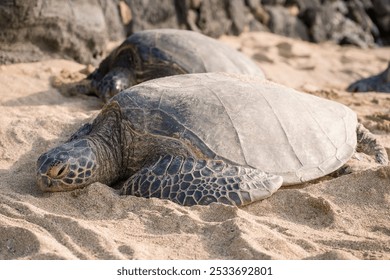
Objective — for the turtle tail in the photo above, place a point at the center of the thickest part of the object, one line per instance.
(367, 143)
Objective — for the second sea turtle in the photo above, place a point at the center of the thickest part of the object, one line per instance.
(151, 54)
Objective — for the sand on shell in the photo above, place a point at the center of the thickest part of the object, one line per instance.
(345, 217)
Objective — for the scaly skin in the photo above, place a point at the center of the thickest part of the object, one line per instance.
(367, 143)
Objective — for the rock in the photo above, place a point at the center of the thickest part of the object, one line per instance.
(80, 30)
(352, 34)
(113, 22)
(255, 25)
(283, 23)
(330, 21)
(148, 14)
(357, 13)
(258, 11)
(213, 19)
(273, 2)
(381, 17)
(238, 13)
(32, 30)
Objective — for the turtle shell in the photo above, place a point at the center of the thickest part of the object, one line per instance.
(245, 120)
(191, 51)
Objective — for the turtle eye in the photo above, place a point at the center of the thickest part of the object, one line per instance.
(58, 171)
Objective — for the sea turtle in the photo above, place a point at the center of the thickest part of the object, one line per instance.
(211, 137)
(151, 54)
(380, 83)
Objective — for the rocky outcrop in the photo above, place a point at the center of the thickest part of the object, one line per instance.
(80, 30)
(30, 30)
(339, 21)
(380, 14)
(358, 22)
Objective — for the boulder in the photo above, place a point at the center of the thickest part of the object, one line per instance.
(380, 14)
(332, 21)
(283, 23)
(149, 14)
(37, 29)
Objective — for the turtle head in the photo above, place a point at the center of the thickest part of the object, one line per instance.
(92, 154)
(69, 166)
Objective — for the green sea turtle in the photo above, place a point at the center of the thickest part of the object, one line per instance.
(380, 83)
(157, 53)
(211, 137)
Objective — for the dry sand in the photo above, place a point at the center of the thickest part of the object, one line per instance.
(333, 218)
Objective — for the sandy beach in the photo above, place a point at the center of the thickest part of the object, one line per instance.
(335, 217)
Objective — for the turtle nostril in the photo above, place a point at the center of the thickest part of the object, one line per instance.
(61, 170)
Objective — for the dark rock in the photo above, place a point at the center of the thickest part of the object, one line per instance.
(350, 33)
(151, 15)
(330, 21)
(305, 4)
(381, 8)
(113, 22)
(357, 13)
(258, 17)
(255, 25)
(283, 23)
(257, 11)
(253, 4)
(273, 2)
(238, 13)
(213, 19)
(380, 15)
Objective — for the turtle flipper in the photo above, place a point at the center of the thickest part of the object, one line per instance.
(369, 145)
(187, 181)
(380, 83)
(113, 82)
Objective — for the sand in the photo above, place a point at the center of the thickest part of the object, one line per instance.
(345, 217)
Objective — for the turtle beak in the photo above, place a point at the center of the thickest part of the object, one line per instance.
(47, 184)
(44, 182)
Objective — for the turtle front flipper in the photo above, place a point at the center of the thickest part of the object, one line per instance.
(380, 83)
(188, 181)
